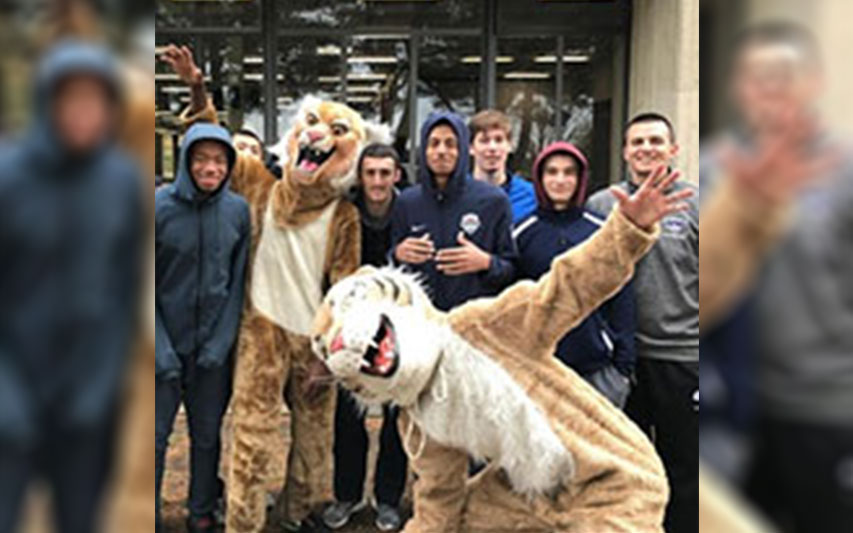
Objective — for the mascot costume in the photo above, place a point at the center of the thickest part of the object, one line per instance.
(305, 238)
(482, 381)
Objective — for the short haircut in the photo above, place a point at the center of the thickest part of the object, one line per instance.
(379, 151)
(250, 133)
(780, 32)
(650, 116)
(488, 119)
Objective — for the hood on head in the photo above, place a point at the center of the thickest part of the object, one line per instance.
(457, 178)
(202, 131)
(66, 59)
(567, 148)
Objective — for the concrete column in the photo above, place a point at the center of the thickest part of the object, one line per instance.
(664, 70)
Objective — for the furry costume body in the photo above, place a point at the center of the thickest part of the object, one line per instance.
(304, 239)
(482, 380)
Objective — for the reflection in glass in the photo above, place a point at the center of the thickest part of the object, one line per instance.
(228, 14)
(365, 13)
(526, 92)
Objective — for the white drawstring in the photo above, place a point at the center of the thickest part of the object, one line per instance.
(410, 429)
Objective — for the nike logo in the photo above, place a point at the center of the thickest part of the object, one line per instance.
(418, 227)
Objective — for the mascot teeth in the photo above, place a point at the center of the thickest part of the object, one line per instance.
(310, 159)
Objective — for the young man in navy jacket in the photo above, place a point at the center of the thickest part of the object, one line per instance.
(601, 348)
(202, 246)
(453, 230)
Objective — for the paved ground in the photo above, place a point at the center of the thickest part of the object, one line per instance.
(175, 485)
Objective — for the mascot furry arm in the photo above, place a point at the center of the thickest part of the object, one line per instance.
(305, 238)
(481, 381)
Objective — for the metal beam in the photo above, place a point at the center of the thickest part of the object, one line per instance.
(270, 81)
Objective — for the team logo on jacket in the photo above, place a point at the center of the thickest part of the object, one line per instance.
(674, 225)
(470, 223)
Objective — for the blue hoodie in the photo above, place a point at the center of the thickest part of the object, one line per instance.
(71, 241)
(202, 246)
(606, 336)
(479, 209)
(522, 196)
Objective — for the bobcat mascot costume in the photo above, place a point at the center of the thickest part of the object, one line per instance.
(481, 380)
(304, 239)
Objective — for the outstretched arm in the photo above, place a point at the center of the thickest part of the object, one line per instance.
(530, 317)
(182, 62)
(250, 176)
(746, 215)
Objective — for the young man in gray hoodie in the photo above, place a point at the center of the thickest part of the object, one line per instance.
(665, 401)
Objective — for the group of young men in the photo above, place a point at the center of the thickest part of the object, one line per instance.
(468, 231)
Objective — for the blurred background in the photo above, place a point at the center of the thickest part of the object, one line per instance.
(76, 352)
(776, 380)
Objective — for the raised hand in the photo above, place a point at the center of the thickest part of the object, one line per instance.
(182, 63)
(651, 203)
(784, 162)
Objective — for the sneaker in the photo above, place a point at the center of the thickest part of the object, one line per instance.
(311, 524)
(204, 524)
(337, 514)
(388, 518)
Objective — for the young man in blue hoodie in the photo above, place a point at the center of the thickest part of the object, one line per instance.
(202, 245)
(453, 230)
(71, 242)
(601, 348)
(490, 148)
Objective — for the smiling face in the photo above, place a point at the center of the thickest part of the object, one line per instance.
(442, 151)
(560, 180)
(373, 335)
(490, 149)
(324, 143)
(648, 145)
(378, 176)
(208, 165)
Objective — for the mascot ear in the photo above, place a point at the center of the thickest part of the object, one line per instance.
(365, 270)
(279, 149)
(377, 133)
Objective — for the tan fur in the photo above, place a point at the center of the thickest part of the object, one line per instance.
(131, 508)
(618, 484)
(271, 359)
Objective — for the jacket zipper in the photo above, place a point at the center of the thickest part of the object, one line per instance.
(200, 255)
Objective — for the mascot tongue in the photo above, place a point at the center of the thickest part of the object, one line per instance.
(308, 166)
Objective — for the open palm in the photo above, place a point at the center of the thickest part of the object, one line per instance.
(651, 203)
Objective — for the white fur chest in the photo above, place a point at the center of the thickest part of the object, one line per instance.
(474, 404)
(288, 270)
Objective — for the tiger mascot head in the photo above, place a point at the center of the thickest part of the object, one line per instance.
(363, 325)
(323, 144)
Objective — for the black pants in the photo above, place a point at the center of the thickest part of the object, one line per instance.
(351, 443)
(802, 476)
(665, 405)
(205, 394)
(75, 465)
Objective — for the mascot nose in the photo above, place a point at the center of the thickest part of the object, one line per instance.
(337, 343)
(314, 136)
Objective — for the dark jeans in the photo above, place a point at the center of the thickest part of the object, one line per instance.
(664, 404)
(351, 443)
(74, 464)
(205, 394)
(802, 476)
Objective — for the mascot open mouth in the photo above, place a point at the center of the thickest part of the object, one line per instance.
(382, 357)
(310, 159)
